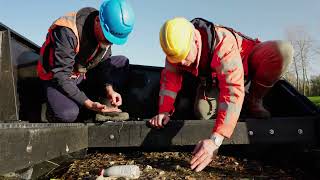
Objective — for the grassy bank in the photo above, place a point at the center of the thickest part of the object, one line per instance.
(315, 100)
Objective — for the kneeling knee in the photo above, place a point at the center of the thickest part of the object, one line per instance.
(205, 109)
(69, 115)
(120, 61)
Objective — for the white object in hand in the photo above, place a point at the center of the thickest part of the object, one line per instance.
(126, 171)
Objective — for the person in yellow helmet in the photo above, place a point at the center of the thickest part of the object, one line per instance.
(223, 60)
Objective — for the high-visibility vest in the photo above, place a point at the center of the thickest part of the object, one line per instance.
(46, 60)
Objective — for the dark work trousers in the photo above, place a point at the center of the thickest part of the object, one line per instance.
(61, 108)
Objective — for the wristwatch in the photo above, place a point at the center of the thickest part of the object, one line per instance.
(217, 140)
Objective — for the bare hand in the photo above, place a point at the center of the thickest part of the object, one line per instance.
(110, 109)
(96, 106)
(115, 99)
(203, 153)
(159, 120)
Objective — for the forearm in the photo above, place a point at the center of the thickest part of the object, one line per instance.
(109, 89)
(229, 111)
(70, 88)
(170, 84)
(64, 54)
(228, 64)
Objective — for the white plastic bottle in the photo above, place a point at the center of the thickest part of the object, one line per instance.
(126, 171)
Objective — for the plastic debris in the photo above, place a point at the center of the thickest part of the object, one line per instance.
(125, 171)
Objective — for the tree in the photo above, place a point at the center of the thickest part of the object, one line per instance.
(302, 44)
(315, 85)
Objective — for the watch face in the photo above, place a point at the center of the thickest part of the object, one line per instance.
(216, 140)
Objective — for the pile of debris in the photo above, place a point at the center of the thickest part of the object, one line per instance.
(175, 165)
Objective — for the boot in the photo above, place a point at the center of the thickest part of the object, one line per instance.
(255, 101)
(111, 116)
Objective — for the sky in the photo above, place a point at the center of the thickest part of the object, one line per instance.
(266, 20)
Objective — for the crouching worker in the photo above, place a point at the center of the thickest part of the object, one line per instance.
(76, 66)
(228, 58)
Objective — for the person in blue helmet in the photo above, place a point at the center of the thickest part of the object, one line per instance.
(76, 66)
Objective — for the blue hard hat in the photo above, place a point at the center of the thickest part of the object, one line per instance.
(117, 20)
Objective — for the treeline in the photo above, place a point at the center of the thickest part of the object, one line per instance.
(306, 51)
(309, 88)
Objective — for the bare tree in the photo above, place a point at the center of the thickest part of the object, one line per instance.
(302, 44)
(290, 77)
(295, 68)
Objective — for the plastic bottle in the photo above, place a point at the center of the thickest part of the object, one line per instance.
(126, 171)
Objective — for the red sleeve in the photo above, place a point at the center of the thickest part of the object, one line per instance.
(170, 84)
(228, 63)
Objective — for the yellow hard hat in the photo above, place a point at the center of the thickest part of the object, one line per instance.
(175, 38)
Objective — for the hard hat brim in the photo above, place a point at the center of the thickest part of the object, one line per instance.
(176, 60)
(173, 60)
(111, 38)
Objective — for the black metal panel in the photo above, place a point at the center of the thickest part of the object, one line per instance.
(19, 86)
(189, 132)
(26, 144)
(20, 38)
(29, 89)
(282, 130)
(141, 96)
(8, 94)
(284, 101)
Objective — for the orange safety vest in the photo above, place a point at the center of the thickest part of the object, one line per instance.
(43, 67)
